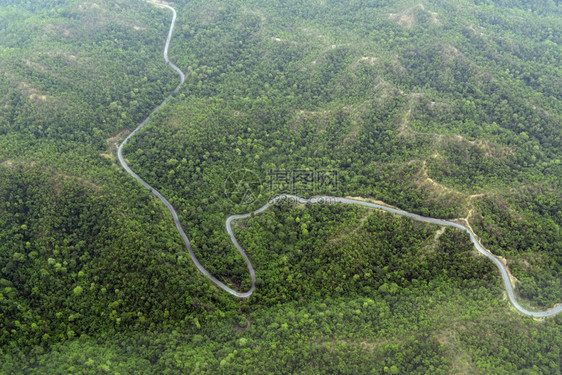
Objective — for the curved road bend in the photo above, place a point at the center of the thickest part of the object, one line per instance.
(160, 196)
(505, 277)
(506, 281)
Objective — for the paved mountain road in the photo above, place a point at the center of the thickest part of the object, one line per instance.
(479, 247)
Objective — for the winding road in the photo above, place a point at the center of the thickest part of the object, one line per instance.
(315, 200)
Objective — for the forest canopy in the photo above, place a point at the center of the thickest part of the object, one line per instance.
(446, 109)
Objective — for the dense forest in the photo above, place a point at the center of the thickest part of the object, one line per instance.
(447, 109)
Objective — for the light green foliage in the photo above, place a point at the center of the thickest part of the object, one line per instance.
(447, 109)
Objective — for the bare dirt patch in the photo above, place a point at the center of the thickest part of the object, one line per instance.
(494, 151)
(436, 186)
(113, 144)
(449, 52)
(434, 18)
(9, 163)
(438, 233)
(38, 96)
(117, 137)
(370, 200)
(512, 278)
(368, 59)
(474, 30)
(239, 329)
(405, 19)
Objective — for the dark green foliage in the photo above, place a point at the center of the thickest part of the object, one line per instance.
(446, 109)
(438, 311)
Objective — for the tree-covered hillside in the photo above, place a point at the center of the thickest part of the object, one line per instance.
(447, 109)
(429, 107)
